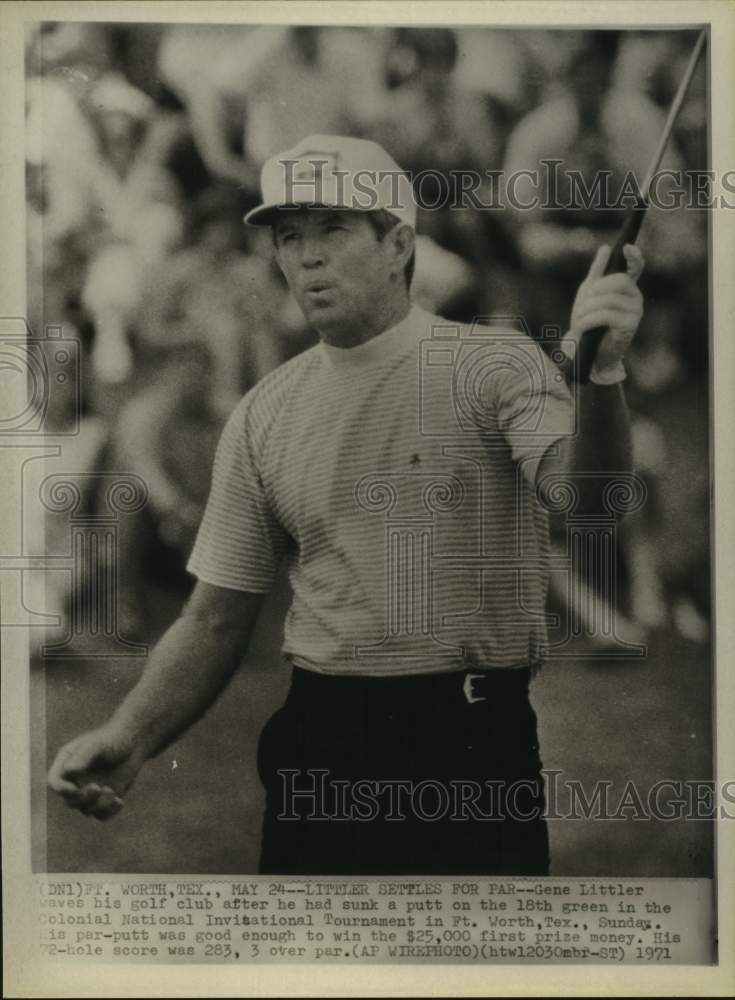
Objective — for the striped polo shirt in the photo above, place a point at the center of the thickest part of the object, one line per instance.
(397, 478)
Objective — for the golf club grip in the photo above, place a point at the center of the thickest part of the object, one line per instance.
(590, 341)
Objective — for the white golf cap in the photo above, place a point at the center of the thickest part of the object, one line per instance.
(334, 171)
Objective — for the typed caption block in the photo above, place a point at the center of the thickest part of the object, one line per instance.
(188, 919)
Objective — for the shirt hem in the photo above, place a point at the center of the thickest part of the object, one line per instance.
(419, 669)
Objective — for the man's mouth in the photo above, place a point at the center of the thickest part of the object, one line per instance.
(317, 287)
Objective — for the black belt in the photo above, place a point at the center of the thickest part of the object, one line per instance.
(470, 686)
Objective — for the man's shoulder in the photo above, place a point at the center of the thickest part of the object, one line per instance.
(262, 403)
(494, 355)
(495, 332)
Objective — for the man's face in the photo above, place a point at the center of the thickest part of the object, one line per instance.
(335, 266)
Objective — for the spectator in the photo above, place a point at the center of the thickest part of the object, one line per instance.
(592, 129)
(438, 127)
(203, 65)
(316, 81)
(494, 64)
(653, 64)
(64, 62)
(250, 91)
(167, 435)
(138, 221)
(214, 293)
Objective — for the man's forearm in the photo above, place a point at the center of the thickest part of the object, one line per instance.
(189, 667)
(602, 444)
(603, 441)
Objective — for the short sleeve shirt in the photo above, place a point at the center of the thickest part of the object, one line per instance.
(397, 478)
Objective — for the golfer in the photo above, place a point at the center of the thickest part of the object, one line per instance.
(401, 468)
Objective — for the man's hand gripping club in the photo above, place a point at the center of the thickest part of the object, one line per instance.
(612, 301)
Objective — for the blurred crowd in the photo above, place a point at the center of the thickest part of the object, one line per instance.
(144, 147)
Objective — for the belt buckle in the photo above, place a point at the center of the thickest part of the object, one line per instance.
(469, 693)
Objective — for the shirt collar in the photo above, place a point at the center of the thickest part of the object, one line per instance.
(388, 344)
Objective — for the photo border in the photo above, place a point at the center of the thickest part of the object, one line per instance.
(24, 975)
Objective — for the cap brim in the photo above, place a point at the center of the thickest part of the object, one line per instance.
(266, 215)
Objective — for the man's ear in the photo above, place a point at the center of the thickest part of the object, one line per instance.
(403, 241)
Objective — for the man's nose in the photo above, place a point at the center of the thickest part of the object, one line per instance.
(312, 253)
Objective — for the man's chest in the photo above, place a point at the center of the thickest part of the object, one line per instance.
(360, 460)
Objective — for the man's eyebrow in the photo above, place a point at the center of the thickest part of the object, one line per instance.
(282, 225)
(336, 215)
(326, 216)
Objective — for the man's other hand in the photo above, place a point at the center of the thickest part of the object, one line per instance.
(93, 772)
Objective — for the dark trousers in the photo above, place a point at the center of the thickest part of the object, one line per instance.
(433, 774)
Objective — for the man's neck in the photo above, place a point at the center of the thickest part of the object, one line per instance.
(385, 316)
